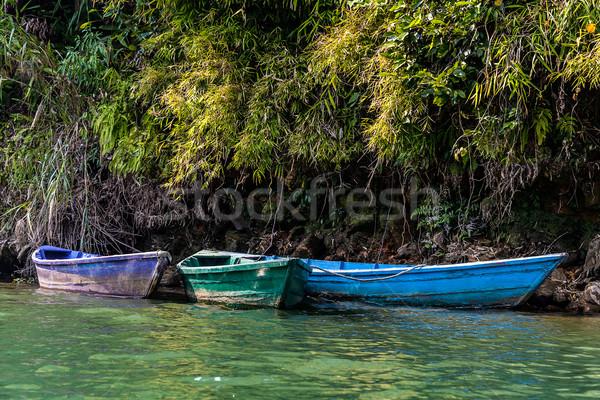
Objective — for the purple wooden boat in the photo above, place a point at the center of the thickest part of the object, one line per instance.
(128, 275)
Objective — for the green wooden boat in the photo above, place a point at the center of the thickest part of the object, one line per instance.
(214, 277)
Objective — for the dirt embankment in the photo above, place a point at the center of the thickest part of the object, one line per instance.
(573, 286)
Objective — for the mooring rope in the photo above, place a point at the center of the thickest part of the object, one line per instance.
(328, 271)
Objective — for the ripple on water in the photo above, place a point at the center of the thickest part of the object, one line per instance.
(22, 386)
(51, 369)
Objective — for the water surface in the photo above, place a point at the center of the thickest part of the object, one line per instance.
(56, 345)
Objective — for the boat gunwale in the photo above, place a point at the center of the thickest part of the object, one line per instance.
(188, 270)
(557, 257)
(99, 259)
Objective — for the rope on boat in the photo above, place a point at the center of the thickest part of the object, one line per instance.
(328, 271)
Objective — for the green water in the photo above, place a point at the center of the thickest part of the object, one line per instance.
(56, 345)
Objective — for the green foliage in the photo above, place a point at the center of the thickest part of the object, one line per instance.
(458, 219)
(412, 60)
(179, 91)
(434, 217)
(132, 148)
(473, 74)
(87, 61)
(407, 83)
(41, 120)
(225, 89)
(47, 156)
(533, 46)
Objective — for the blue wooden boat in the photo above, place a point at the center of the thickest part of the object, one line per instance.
(497, 283)
(128, 275)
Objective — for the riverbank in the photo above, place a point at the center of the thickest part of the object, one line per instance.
(572, 287)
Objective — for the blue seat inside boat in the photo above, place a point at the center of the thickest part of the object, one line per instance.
(56, 253)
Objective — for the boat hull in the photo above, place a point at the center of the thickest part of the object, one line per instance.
(503, 283)
(212, 278)
(132, 275)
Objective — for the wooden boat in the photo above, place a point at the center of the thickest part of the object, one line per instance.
(498, 283)
(128, 275)
(215, 277)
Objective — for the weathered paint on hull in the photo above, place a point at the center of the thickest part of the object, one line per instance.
(503, 283)
(135, 275)
(277, 283)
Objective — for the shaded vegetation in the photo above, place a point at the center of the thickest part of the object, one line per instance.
(106, 106)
